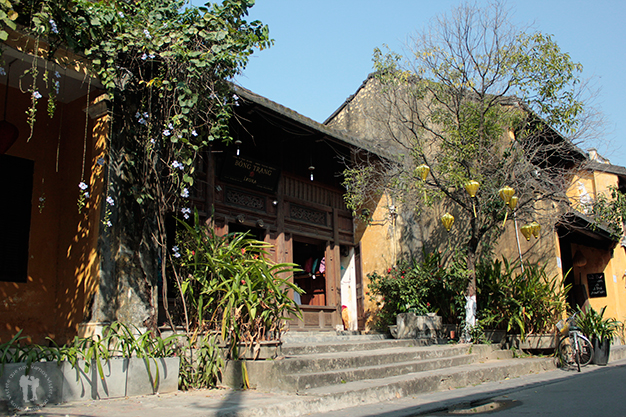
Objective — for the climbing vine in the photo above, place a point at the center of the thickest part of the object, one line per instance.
(166, 67)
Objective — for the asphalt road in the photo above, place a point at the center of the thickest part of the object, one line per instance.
(596, 391)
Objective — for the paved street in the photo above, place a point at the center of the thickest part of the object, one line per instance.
(596, 391)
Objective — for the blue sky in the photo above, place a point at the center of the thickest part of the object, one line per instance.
(323, 49)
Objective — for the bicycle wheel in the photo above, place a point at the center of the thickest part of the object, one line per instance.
(585, 349)
(566, 353)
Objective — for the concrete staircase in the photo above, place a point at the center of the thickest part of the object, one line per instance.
(344, 371)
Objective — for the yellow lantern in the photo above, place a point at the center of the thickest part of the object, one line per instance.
(471, 187)
(535, 229)
(513, 202)
(506, 193)
(422, 171)
(447, 220)
(527, 231)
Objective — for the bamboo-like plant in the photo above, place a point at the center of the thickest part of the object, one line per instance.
(229, 285)
(594, 325)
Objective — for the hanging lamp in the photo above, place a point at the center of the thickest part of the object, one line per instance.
(447, 220)
(422, 171)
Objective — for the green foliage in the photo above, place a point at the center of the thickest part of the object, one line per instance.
(610, 211)
(419, 287)
(519, 302)
(230, 286)
(201, 364)
(594, 325)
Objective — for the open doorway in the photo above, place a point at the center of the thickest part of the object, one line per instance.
(310, 257)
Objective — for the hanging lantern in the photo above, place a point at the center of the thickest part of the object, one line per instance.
(535, 229)
(422, 171)
(447, 220)
(506, 193)
(471, 187)
(311, 169)
(513, 202)
(527, 231)
(238, 143)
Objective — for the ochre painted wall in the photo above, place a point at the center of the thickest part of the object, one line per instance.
(63, 243)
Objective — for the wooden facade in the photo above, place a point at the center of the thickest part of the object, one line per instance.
(281, 180)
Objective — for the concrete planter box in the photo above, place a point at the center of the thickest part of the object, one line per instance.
(152, 375)
(52, 382)
(543, 341)
(412, 326)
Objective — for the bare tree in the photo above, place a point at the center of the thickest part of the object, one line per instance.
(477, 100)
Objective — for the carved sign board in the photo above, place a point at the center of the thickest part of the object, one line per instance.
(597, 287)
(250, 173)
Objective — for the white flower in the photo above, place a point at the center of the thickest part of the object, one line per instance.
(110, 201)
(166, 132)
(147, 33)
(146, 115)
(142, 121)
(86, 194)
(152, 141)
(170, 126)
(176, 255)
(56, 74)
(53, 26)
(109, 224)
(194, 133)
(121, 14)
(82, 185)
(176, 164)
(36, 95)
(184, 193)
(144, 56)
(151, 56)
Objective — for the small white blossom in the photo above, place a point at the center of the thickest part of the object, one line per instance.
(166, 132)
(146, 115)
(152, 141)
(194, 133)
(82, 185)
(36, 95)
(176, 255)
(110, 201)
(147, 33)
(86, 194)
(144, 56)
(53, 26)
(151, 56)
(186, 211)
(56, 74)
(184, 193)
(109, 224)
(121, 14)
(142, 121)
(170, 126)
(137, 115)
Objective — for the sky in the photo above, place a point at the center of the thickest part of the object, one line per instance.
(323, 50)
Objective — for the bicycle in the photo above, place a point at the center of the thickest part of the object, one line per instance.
(574, 347)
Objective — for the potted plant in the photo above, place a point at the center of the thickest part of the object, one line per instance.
(600, 331)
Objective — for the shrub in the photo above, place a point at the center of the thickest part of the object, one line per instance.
(420, 287)
(519, 302)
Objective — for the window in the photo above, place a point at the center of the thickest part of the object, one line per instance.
(16, 192)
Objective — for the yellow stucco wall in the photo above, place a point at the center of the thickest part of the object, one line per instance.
(62, 269)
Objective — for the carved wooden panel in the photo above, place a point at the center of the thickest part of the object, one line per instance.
(308, 214)
(244, 199)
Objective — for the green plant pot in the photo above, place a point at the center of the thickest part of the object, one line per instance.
(601, 351)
